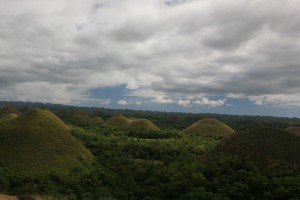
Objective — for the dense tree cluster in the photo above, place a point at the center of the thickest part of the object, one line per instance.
(172, 167)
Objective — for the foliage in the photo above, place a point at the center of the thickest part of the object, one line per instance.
(265, 145)
(139, 164)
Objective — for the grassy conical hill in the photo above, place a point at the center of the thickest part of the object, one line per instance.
(267, 144)
(118, 120)
(144, 124)
(39, 142)
(79, 119)
(9, 110)
(96, 121)
(295, 130)
(7, 118)
(211, 127)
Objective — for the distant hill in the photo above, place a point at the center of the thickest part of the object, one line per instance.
(164, 120)
(7, 118)
(79, 119)
(268, 144)
(96, 121)
(143, 123)
(8, 109)
(295, 130)
(118, 120)
(39, 142)
(209, 126)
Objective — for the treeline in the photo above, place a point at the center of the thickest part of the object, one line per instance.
(164, 120)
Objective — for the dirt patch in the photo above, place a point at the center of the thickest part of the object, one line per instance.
(5, 197)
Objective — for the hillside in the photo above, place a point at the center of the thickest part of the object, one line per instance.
(143, 124)
(266, 144)
(39, 142)
(96, 121)
(295, 130)
(7, 118)
(164, 120)
(209, 126)
(118, 120)
(8, 109)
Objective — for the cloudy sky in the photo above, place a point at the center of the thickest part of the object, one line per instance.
(233, 56)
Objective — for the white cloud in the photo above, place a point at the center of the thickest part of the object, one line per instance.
(277, 100)
(162, 100)
(133, 85)
(104, 102)
(184, 102)
(210, 103)
(129, 102)
(122, 102)
(138, 103)
(57, 51)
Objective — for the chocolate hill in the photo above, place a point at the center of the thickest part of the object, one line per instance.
(39, 142)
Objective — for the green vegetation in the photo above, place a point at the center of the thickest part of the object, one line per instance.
(173, 168)
(8, 113)
(7, 118)
(8, 109)
(258, 162)
(295, 130)
(39, 142)
(211, 127)
(264, 144)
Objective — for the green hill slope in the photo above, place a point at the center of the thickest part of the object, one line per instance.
(7, 118)
(143, 124)
(264, 144)
(209, 126)
(39, 142)
(295, 130)
(118, 120)
(122, 121)
(96, 121)
(8, 109)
